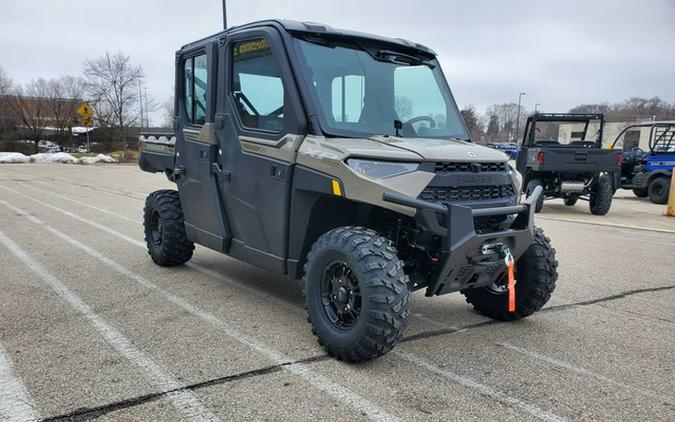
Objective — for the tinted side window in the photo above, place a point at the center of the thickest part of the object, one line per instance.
(196, 80)
(257, 87)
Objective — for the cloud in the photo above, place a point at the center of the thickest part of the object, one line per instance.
(560, 53)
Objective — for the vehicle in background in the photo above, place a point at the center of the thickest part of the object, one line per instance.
(650, 173)
(509, 148)
(580, 169)
(48, 147)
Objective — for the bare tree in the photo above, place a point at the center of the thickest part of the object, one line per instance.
(5, 84)
(65, 95)
(112, 82)
(634, 108)
(168, 113)
(403, 107)
(31, 106)
(507, 115)
(6, 118)
(473, 123)
(492, 131)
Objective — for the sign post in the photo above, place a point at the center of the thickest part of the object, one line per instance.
(86, 112)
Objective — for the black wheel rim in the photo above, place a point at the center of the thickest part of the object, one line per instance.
(156, 229)
(658, 190)
(340, 295)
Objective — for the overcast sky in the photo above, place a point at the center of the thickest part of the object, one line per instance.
(561, 53)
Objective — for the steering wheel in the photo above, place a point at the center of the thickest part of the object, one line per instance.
(432, 122)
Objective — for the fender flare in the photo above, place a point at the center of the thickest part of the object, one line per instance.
(653, 175)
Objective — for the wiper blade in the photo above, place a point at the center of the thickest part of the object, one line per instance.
(397, 56)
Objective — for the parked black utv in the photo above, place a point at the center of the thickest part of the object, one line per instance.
(577, 168)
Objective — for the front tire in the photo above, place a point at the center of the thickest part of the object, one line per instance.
(601, 196)
(164, 225)
(356, 293)
(536, 275)
(659, 189)
(530, 188)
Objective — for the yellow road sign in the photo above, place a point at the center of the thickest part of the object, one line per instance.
(86, 121)
(85, 110)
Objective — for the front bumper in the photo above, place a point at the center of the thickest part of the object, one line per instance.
(469, 259)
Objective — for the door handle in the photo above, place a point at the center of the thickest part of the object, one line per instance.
(277, 173)
(222, 174)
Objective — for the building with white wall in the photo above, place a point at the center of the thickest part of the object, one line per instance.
(636, 137)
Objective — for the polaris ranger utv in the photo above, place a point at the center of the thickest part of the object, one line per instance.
(342, 159)
(650, 173)
(580, 169)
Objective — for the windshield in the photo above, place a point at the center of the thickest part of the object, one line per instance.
(379, 92)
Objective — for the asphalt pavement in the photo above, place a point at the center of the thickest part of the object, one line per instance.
(90, 328)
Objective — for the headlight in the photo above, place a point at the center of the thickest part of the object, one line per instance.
(380, 169)
(516, 179)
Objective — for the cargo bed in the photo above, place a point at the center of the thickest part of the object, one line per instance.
(157, 152)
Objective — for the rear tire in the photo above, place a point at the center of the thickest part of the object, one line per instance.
(536, 275)
(164, 225)
(601, 196)
(571, 200)
(530, 187)
(659, 190)
(356, 294)
(641, 192)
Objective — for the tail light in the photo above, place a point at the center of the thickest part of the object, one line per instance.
(540, 157)
(619, 158)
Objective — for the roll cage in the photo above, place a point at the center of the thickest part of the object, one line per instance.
(664, 139)
(529, 137)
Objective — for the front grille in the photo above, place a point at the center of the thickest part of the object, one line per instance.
(444, 167)
(465, 193)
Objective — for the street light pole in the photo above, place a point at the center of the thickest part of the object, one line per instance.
(520, 95)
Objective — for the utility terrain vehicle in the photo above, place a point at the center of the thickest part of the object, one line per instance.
(579, 169)
(341, 158)
(649, 173)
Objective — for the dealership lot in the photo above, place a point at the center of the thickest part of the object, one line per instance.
(90, 327)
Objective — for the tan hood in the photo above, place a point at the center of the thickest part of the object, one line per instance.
(444, 149)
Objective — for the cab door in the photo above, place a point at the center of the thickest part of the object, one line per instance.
(197, 148)
(260, 124)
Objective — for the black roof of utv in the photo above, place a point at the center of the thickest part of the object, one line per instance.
(566, 117)
(317, 29)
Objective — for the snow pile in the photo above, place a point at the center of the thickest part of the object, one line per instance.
(13, 157)
(101, 158)
(59, 157)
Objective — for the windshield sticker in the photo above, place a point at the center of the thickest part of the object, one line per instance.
(251, 47)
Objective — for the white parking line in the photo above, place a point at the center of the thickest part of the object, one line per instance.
(141, 244)
(65, 198)
(321, 380)
(78, 218)
(606, 224)
(317, 380)
(583, 371)
(480, 388)
(15, 402)
(183, 400)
